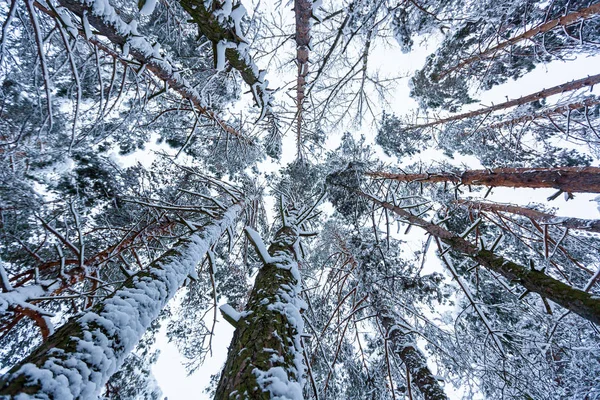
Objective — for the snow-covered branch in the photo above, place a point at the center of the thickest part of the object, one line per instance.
(100, 15)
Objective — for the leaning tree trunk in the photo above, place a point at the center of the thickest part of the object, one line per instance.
(577, 16)
(547, 113)
(265, 358)
(584, 304)
(226, 31)
(567, 179)
(589, 225)
(78, 360)
(403, 344)
(542, 94)
(105, 19)
(401, 341)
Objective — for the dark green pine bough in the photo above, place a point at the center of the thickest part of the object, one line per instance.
(265, 358)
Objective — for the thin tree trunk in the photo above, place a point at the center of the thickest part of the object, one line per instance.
(566, 108)
(589, 225)
(78, 360)
(303, 12)
(581, 303)
(107, 22)
(564, 21)
(567, 179)
(265, 357)
(542, 94)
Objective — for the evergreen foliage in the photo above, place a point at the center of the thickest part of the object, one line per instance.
(146, 159)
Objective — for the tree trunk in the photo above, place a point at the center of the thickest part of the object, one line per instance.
(107, 22)
(542, 94)
(403, 345)
(578, 301)
(566, 108)
(401, 341)
(590, 225)
(303, 12)
(78, 360)
(265, 358)
(564, 21)
(217, 31)
(567, 179)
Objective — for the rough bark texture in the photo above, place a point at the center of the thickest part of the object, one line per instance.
(79, 358)
(567, 179)
(109, 24)
(403, 345)
(542, 94)
(266, 341)
(564, 21)
(578, 301)
(590, 225)
(216, 32)
(303, 12)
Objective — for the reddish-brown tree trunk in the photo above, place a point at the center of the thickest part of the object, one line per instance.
(566, 20)
(590, 102)
(590, 225)
(567, 179)
(303, 12)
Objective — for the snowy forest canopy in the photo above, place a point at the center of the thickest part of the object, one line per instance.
(384, 199)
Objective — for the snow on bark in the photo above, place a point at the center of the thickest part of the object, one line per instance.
(578, 301)
(398, 334)
(409, 353)
(230, 314)
(148, 7)
(100, 15)
(581, 303)
(265, 359)
(589, 81)
(220, 22)
(78, 360)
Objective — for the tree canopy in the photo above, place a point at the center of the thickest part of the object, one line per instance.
(320, 176)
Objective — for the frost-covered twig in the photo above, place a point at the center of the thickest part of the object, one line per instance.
(45, 73)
